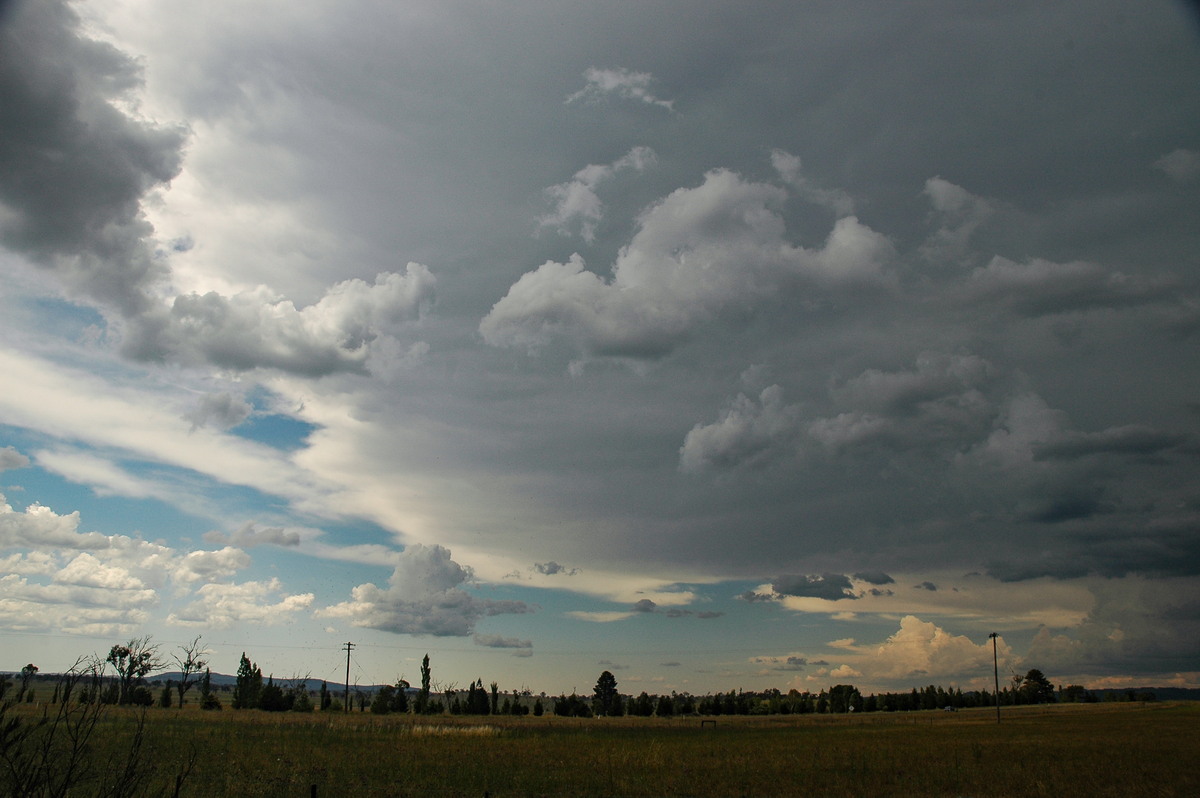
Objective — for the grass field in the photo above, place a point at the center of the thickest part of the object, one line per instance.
(1067, 750)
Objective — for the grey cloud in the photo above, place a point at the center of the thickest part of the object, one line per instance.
(551, 568)
(10, 459)
(1180, 165)
(751, 597)
(645, 605)
(1040, 287)
(930, 586)
(749, 433)
(576, 202)
(716, 250)
(220, 410)
(499, 641)
(73, 167)
(832, 587)
(874, 578)
(250, 535)
(1134, 440)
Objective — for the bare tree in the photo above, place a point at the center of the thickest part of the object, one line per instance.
(132, 662)
(190, 666)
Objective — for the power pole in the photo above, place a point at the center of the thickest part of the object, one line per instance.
(996, 674)
(348, 647)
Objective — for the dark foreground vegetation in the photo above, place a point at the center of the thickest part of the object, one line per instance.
(1106, 749)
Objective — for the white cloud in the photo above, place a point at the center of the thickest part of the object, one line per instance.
(87, 571)
(40, 526)
(600, 616)
(923, 651)
(210, 566)
(622, 82)
(424, 597)
(717, 250)
(577, 201)
(220, 410)
(221, 606)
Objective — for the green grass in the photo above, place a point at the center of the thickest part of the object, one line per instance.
(1096, 750)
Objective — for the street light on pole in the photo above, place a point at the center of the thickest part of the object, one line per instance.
(996, 673)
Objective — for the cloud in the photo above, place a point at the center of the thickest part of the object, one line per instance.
(790, 662)
(1041, 287)
(39, 526)
(623, 83)
(832, 587)
(747, 434)
(700, 254)
(552, 568)
(499, 641)
(1180, 165)
(1131, 440)
(222, 606)
(11, 459)
(250, 535)
(576, 201)
(874, 578)
(423, 597)
(211, 566)
(788, 168)
(219, 410)
(930, 586)
(924, 651)
(600, 616)
(77, 165)
(645, 605)
(260, 330)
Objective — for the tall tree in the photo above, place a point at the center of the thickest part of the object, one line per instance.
(247, 691)
(133, 661)
(190, 665)
(27, 674)
(605, 693)
(1036, 688)
(422, 703)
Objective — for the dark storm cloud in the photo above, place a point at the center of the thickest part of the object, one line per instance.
(1135, 440)
(551, 568)
(73, 167)
(826, 586)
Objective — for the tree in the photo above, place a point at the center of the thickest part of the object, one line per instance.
(325, 699)
(495, 698)
(208, 700)
(422, 702)
(605, 693)
(1036, 688)
(27, 674)
(133, 662)
(247, 691)
(190, 664)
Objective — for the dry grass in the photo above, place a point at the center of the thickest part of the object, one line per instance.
(1098, 750)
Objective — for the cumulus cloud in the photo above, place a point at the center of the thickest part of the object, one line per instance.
(11, 459)
(211, 566)
(958, 214)
(219, 410)
(1180, 165)
(423, 597)
(703, 253)
(76, 164)
(748, 433)
(922, 650)
(789, 169)
(576, 203)
(260, 330)
(552, 568)
(250, 535)
(621, 82)
(1041, 287)
(832, 587)
(221, 606)
(39, 526)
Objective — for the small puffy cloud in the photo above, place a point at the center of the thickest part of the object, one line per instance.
(219, 410)
(790, 662)
(250, 535)
(748, 433)
(621, 82)
(874, 578)
(752, 597)
(576, 201)
(717, 250)
(10, 459)
(552, 568)
(831, 587)
(788, 168)
(423, 597)
(210, 566)
(87, 571)
(499, 641)
(221, 606)
(600, 616)
(1180, 165)
(930, 586)
(645, 605)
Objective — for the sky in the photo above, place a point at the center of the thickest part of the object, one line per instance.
(718, 345)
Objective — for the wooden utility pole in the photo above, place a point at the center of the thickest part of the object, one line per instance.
(996, 674)
(348, 647)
